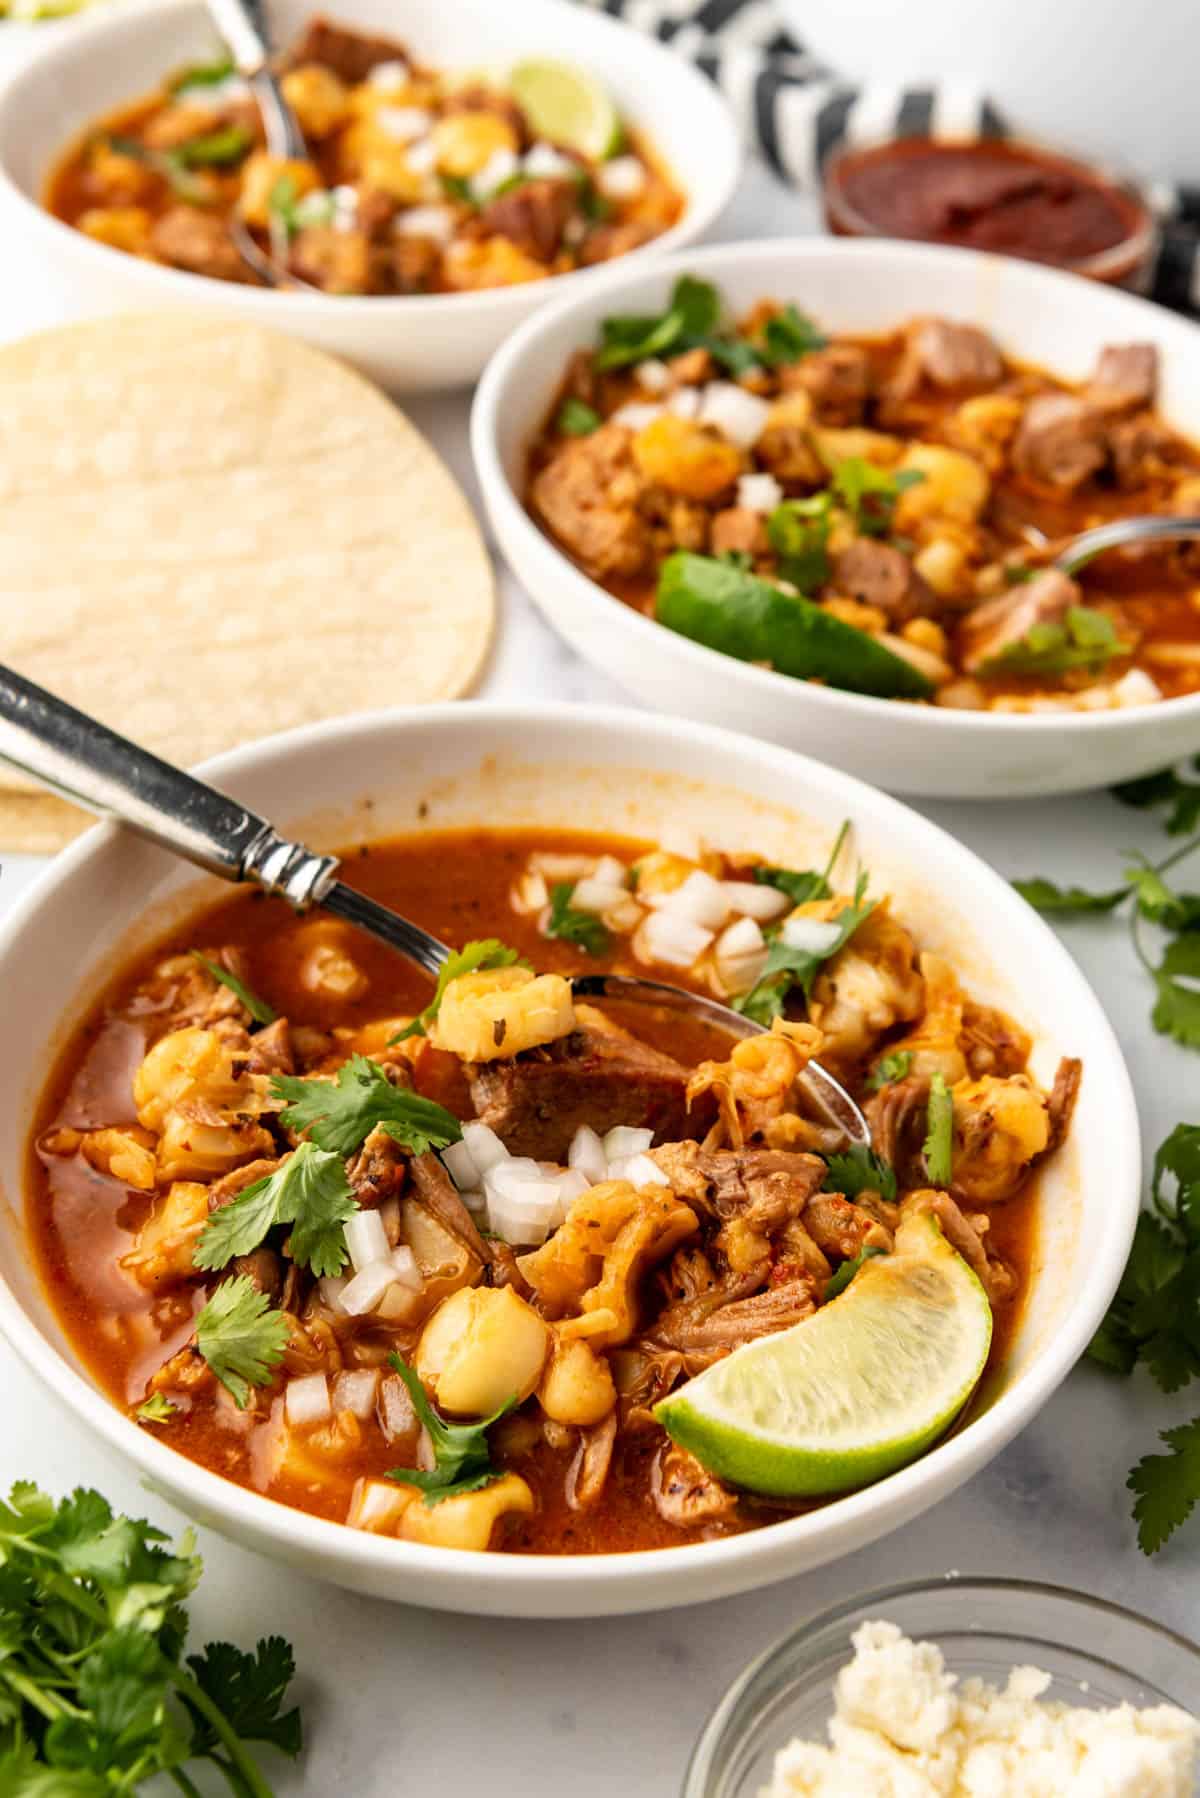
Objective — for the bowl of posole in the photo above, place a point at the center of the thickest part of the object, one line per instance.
(439, 767)
(1098, 1656)
(1038, 316)
(409, 342)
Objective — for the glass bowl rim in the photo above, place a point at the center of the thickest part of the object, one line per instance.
(876, 1600)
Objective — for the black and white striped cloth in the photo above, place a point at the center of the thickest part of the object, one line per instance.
(795, 110)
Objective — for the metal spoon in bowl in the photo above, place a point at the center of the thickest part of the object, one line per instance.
(81, 759)
(1151, 528)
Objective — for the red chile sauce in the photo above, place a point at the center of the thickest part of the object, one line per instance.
(987, 195)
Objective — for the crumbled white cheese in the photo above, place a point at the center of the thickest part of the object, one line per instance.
(653, 375)
(421, 156)
(1136, 688)
(635, 415)
(545, 161)
(905, 1728)
(388, 76)
(403, 123)
(738, 415)
(758, 492)
(500, 167)
(436, 222)
(621, 179)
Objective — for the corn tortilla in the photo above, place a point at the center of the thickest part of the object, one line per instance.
(209, 532)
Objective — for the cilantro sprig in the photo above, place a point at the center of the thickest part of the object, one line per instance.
(787, 968)
(1085, 638)
(576, 418)
(258, 1008)
(340, 1114)
(803, 885)
(859, 1169)
(938, 1151)
(95, 1695)
(869, 494)
(895, 1065)
(241, 1337)
(462, 1459)
(309, 1191)
(1154, 1321)
(472, 958)
(692, 321)
(573, 926)
(839, 1281)
(798, 532)
(1170, 788)
(170, 164)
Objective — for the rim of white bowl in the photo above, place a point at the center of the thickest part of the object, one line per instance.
(506, 369)
(497, 302)
(679, 1570)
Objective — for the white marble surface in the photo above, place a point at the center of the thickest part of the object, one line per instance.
(404, 1701)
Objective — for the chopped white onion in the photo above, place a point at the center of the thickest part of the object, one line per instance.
(624, 917)
(753, 901)
(388, 75)
(571, 1186)
(700, 898)
(403, 123)
(332, 1288)
(460, 1165)
(529, 894)
(345, 207)
(421, 157)
(435, 222)
(355, 1391)
(812, 934)
(520, 1177)
(635, 415)
(545, 161)
(212, 96)
(624, 1140)
(758, 492)
(520, 1223)
(399, 1304)
(669, 937)
(737, 974)
(500, 166)
(484, 1146)
(587, 1155)
(475, 1202)
(562, 867)
(740, 955)
(652, 374)
(611, 871)
(621, 179)
(639, 1170)
(365, 1290)
(597, 895)
(742, 938)
(423, 1455)
(1136, 688)
(738, 415)
(685, 402)
(307, 1400)
(366, 1239)
(407, 1271)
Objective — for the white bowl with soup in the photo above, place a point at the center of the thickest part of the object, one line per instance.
(405, 340)
(1039, 320)
(110, 899)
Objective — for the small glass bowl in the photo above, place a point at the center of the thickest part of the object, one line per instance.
(1097, 1654)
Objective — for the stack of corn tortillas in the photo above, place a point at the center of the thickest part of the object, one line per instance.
(209, 533)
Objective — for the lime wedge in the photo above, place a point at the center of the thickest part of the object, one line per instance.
(567, 106)
(853, 1393)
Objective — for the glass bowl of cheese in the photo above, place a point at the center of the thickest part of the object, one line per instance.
(960, 1685)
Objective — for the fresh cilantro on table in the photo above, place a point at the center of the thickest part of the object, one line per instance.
(839, 1281)
(859, 1169)
(241, 1337)
(787, 967)
(1044, 896)
(1168, 788)
(462, 1459)
(1085, 639)
(896, 1065)
(869, 494)
(258, 1008)
(577, 419)
(1166, 1487)
(798, 532)
(938, 1150)
(95, 1697)
(309, 1190)
(340, 1114)
(472, 958)
(581, 927)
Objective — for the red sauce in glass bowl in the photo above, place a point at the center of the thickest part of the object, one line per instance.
(997, 195)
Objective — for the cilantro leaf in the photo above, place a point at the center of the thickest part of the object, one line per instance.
(258, 1008)
(798, 532)
(895, 1065)
(250, 1689)
(156, 1409)
(799, 886)
(692, 314)
(788, 335)
(582, 927)
(215, 149)
(1044, 896)
(787, 967)
(1178, 1157)
(472, 958)
(1177, 1007)
(870, 493)
(167, 163)
(241, 1337)
(859, 1169)
(839, 1281)
(1169, 788)
(938, 1151)
(1167, 1486)
(202, 74)
(577, 419)
(309, 1190)
(462, 1459)
(340, 1114)
(1085, 638)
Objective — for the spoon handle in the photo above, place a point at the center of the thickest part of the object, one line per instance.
(105, 773)
(243, 24)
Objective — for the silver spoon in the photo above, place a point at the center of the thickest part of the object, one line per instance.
(243, 25)
(1151, 528)
(94, 767)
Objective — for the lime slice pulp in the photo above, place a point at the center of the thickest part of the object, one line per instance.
(853, 1393)
(567, 106)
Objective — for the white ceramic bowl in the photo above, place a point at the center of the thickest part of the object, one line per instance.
(589, 767)
(407, 343)
(1038, 315)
